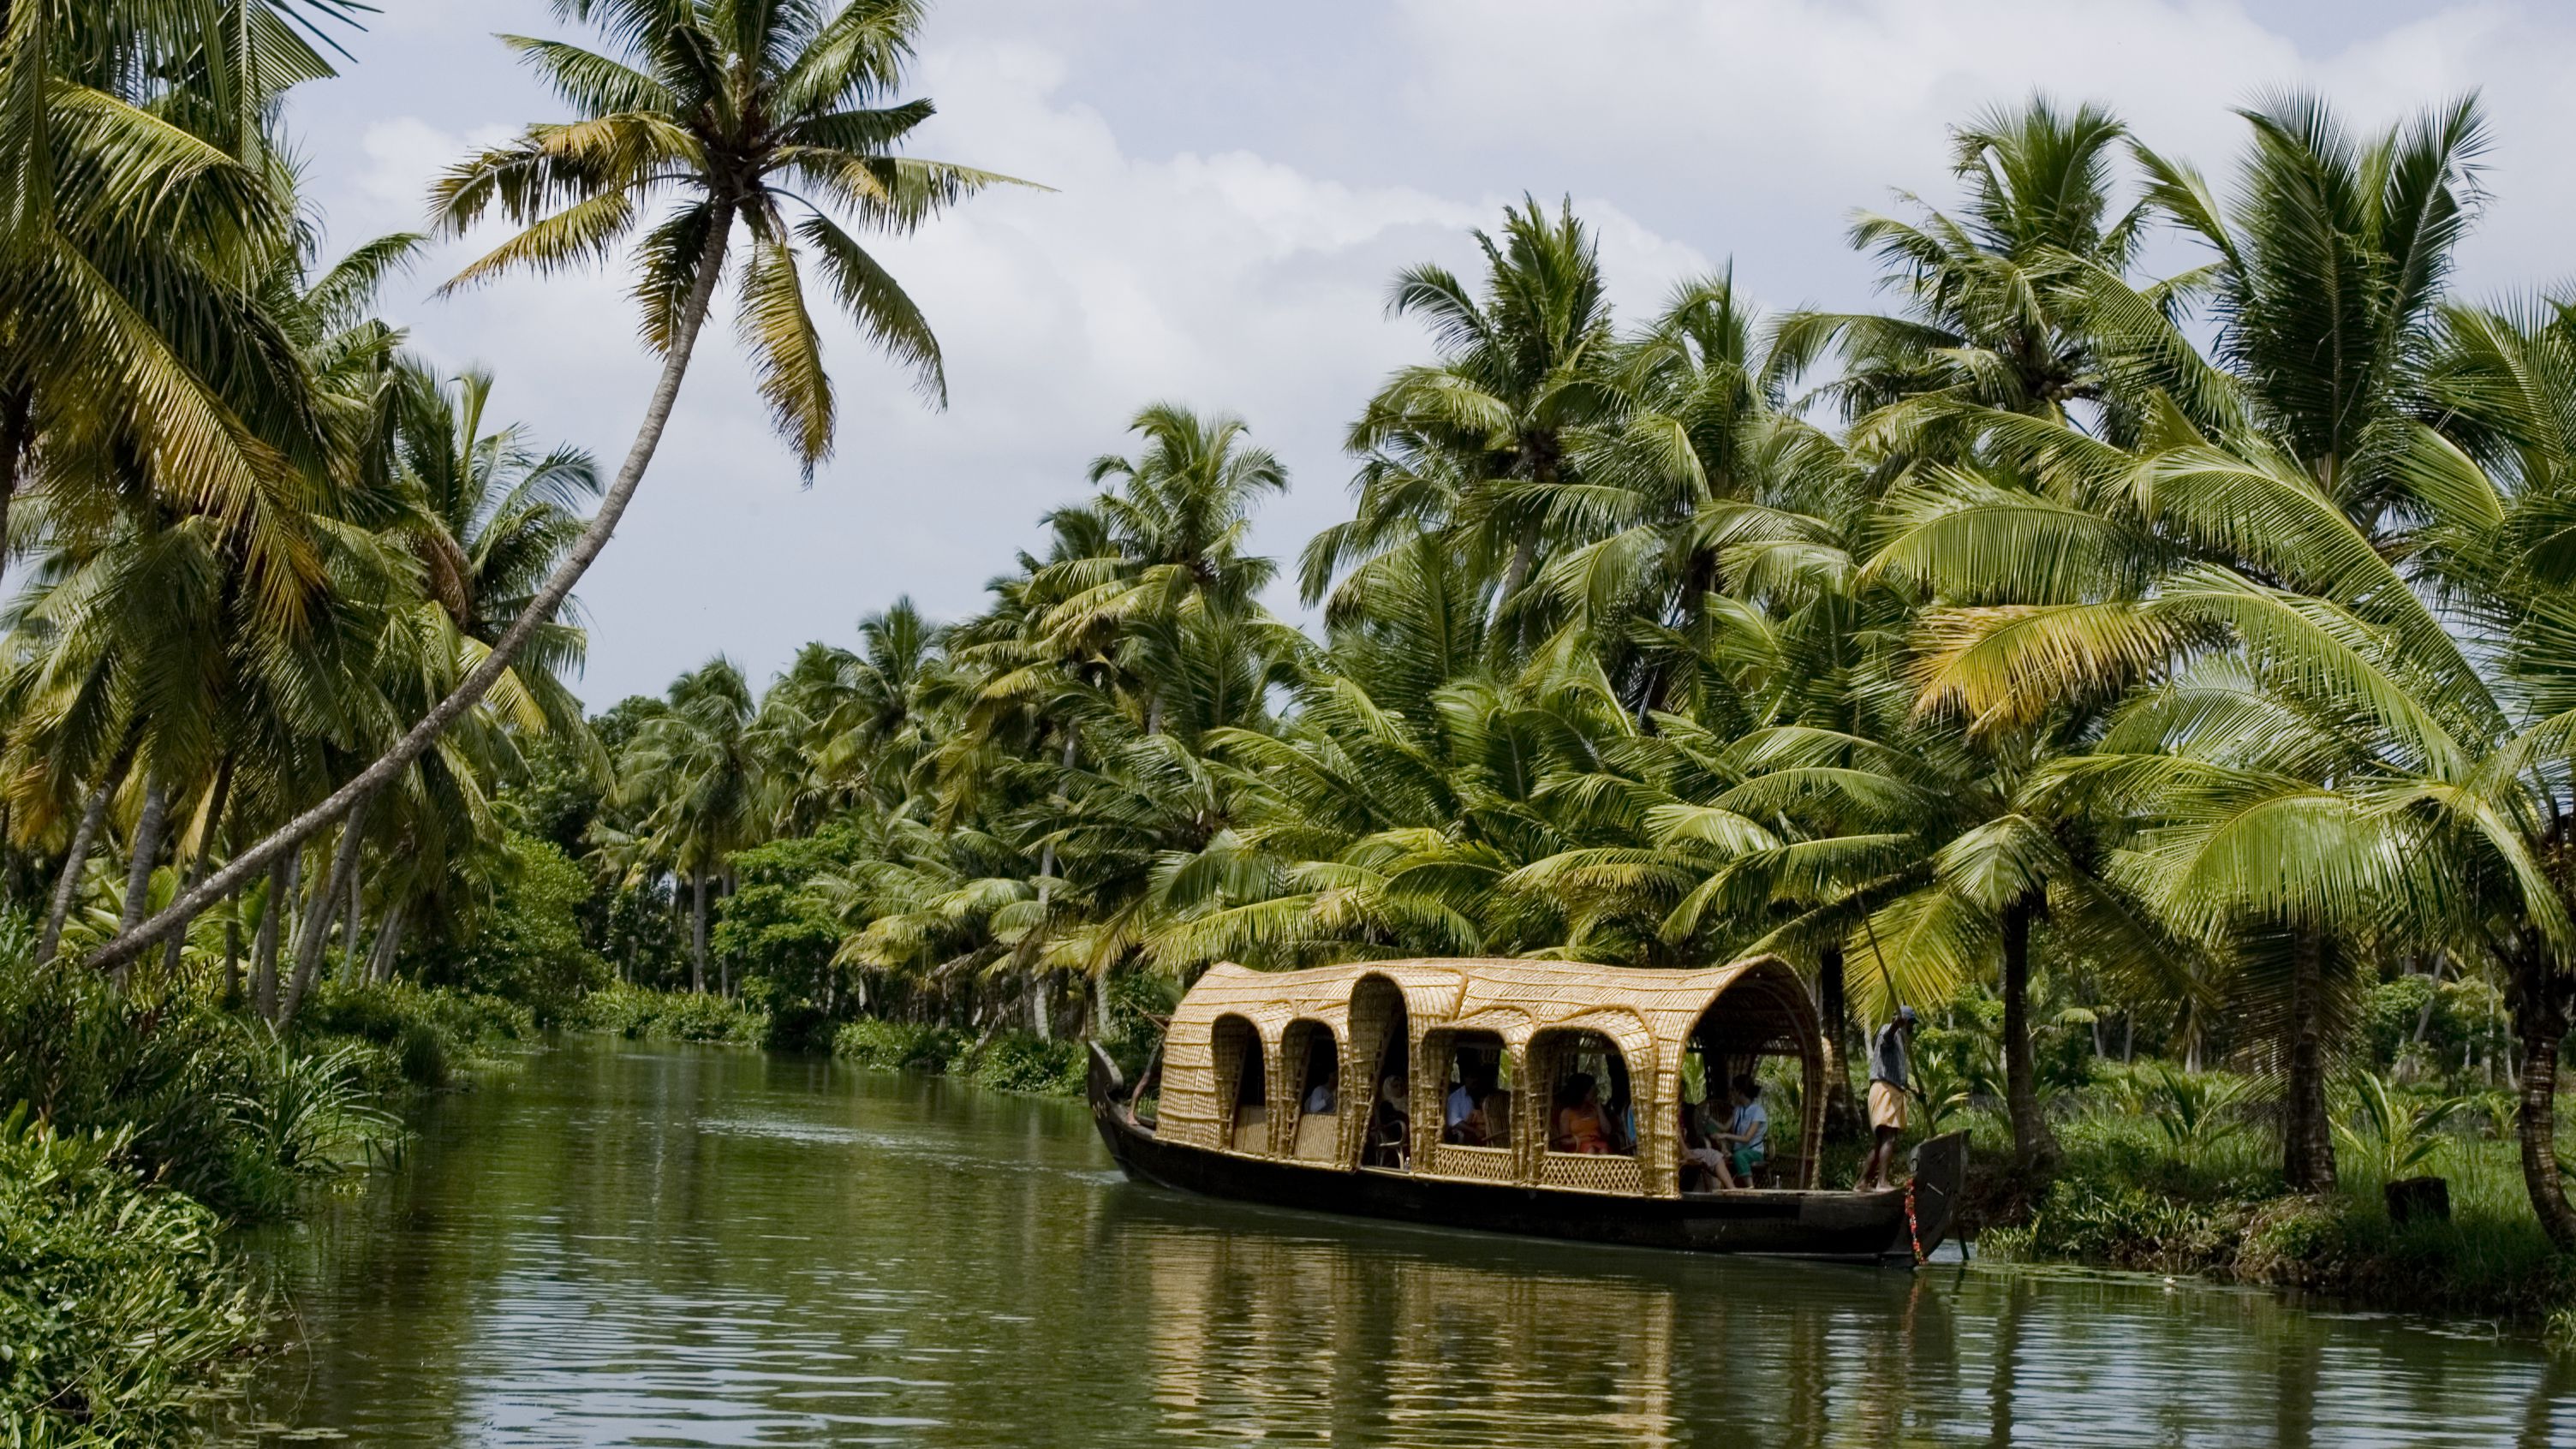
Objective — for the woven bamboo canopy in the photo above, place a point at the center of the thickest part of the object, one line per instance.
(1536, 1018)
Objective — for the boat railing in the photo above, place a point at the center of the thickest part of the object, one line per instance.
(1476, 1164)
(1591, 1172)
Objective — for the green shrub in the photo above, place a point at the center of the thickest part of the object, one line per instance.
(639, 1013)
(1008, 1062)
(210, 1104)
(1017, 1062)
(526, 944)
(895, 1046)
(781, 934)
(425, 1035)
(117, 1301)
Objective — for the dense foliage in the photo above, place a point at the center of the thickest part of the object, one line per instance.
(115, 1299)
(2166, 681)
(2104, 658)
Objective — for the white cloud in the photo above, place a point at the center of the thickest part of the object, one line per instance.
(1209, 256)
(1784, 115)
(1225, 281)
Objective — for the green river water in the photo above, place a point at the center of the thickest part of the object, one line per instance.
(626, 1244)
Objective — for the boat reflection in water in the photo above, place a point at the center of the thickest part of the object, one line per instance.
(1287, 1327)
(1393, 1335)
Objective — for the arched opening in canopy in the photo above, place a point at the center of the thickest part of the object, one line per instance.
(1312, 1113)
(1591, 1099)
(1754, 1066)
(1242, 1083)
(1381, 1072)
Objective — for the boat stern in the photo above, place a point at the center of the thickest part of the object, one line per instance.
(1931, 1197)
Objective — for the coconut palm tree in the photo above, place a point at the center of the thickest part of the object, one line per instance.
(1475, 444)
(1985, 315)
(696, 771)
(761, 117)
(138, 200)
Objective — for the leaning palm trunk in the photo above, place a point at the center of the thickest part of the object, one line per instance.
(324, 911)
(541, 607)
(2035, 1147)
(147, 848)
(67, 890)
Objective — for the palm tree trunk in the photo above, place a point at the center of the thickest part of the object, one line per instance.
(1046, 855)
(349, 929)
(698, 932)
(2543, 1002)
(179, 939)
(67, 890)
(147, 849)
(138, 869)
(2537, 1126)
(272, 916)
(1516, 573)
(324, 911)
(2307, 1145)
(1833, 1010)
(380, 960)
(2432, 998)
(540, 607)
(232, 954)
(2034, 1145)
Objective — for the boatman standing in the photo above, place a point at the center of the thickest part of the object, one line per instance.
(1887, 1090)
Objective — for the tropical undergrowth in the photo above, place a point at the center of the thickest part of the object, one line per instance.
(140, 1123)
(2179, 1173)
(1009, 1061)
(641, 1013)
(119, 1305)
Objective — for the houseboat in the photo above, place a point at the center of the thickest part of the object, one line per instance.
(1435, 1092)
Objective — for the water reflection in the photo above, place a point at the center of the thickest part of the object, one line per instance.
(676, 1247)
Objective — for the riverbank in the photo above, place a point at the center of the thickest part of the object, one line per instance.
(139, 1128)
(1007, 1061)
(2175, 1175)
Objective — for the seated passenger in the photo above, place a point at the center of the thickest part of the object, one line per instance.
(1704, 1166)
(1319, 1100)
(1580, 1125)
(1462, 1121)
(1390, 1134)
(1747, 1138)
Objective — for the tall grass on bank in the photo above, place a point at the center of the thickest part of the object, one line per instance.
(137, 1123)
(1007, 1061)
(2173, 1173)
(118, 1304)
(640, 1013)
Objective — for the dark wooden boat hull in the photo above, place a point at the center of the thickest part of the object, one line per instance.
(1837, 1226)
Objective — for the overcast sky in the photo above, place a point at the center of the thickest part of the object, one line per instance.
(1235, 182)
